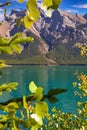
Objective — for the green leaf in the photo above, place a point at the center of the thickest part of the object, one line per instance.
(38, 93)
(26, 123)
(3, 41)
(35, 127)
(32, 5)
(2, 61)
(33, 121)
(16, 36)
(3, 86)
(29, 122)
(4, 12)
(32, 87)
(0, 93)
(4, 118)
(25, 105)
(32, 13)
(37, 118)
(56, 4)
(13, 105)
(12, 85)
(2, 64)
(6, 50)
(16, 48)
(41, 109)
(47, 3)
(19, 21)
(74, 84)
(14, 125)
(20, 40)
(8, 3)
(79, 103)
(27, 22)
(3, 126)
(53, 4)
(8, 90)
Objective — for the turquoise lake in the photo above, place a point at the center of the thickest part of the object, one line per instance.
(47, 77)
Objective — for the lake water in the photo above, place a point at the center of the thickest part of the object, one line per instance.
(47, 77)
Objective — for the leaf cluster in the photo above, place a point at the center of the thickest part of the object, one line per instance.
(8, 87)
(2, 64)
(13, 45)
(31, 115)
(32, 11)
(60, 120)
(83, 49)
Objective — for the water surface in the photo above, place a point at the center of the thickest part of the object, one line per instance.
(47, 77)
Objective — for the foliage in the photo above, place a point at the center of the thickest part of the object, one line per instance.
(59, 120)
(32, 12)
(61, 54)
(13, 44)
(53, 4)
(51, 95)
(8, 87)
(5, 4)
(83, 48)
(26, 112)
(65, 54)
(31, 112)
(2, 64)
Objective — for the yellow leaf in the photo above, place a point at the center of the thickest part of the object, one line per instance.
(41, 109)
(27, 23)
(32, 87)
(24, 102)
(20, 1)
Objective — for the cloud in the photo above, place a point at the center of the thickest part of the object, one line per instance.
(84, 6)
(1, 16)
(71, 11)
(39, 1)
(1, 10)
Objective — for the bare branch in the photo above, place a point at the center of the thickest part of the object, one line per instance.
(5, 4)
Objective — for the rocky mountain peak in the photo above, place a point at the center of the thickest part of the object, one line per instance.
(4, 29)
(14, 15)
(85, 16)
(62, 27)
(55, 36)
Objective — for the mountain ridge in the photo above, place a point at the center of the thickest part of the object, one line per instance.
(59, 35)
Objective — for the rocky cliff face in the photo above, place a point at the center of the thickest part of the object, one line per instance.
(63, 27)
(85, 16)
(57, 34)
(60, 27)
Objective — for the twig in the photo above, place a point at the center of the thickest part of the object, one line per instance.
(5, 4)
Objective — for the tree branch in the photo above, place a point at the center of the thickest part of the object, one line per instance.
(5, 4)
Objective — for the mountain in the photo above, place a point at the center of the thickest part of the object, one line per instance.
(85, 16)
(55, 38)
(63, 27)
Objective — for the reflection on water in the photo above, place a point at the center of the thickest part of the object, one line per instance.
(47, 77)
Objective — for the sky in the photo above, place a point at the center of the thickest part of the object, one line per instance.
(72, 6)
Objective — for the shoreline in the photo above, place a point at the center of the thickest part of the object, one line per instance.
(10, 65)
